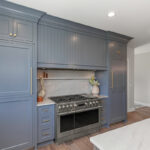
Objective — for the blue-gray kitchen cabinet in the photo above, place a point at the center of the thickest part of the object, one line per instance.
(23, 30)
(16, 97)
(118, 81)
(46, 123)
(15, 29)
(16, 69)
(55, 46)
(6, 27)
(65, 44)
(92, 50)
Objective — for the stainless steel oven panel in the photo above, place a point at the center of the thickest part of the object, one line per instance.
(86, 128)
(77, 130)
(62, 134)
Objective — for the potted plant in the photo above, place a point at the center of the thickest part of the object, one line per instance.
(95, 86)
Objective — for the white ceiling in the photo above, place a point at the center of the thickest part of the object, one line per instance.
(132, 16)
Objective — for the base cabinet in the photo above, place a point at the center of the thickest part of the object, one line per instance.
(45, 123)
(16, 124)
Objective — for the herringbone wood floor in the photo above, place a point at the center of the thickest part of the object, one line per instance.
(84, 142)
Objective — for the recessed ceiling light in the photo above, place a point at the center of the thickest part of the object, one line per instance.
(111, 14)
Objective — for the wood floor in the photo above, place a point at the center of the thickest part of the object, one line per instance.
(84, 142)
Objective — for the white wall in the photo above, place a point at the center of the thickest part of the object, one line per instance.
(130, 76)
(142, 75)
(65, 82)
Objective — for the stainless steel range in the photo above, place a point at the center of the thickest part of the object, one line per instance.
(76, 115)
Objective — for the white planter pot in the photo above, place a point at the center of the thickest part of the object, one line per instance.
(95, 90)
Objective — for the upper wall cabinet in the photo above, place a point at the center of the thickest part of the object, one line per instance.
(92, 50)
(64, 44)
(56, 46)
(23, 30)
(15, 29)
(6, 27)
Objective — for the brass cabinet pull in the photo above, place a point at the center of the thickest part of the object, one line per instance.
(112, 79)
(44, 121)
(45, 134)
(15, 34)
(10, 34)
(31, 81)
(45, 110)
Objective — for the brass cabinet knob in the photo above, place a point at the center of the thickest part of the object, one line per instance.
(10, 34)
(15, 34)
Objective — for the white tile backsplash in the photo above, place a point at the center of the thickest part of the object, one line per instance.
(66, 82)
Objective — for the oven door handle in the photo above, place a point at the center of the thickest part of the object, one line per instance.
(76, 111)
(65, 113)
(93, 108)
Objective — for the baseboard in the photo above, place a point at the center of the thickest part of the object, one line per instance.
(131, 109)
(142, 103)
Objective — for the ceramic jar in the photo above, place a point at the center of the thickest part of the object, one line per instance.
(95, 90)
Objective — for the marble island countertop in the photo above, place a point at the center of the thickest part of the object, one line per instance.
(131, 137)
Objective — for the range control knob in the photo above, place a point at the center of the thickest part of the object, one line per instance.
(86, 104)
(70, 105)
(59, 107)
(63, 106)
(67, 106)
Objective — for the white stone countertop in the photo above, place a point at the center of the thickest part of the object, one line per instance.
(46, 102)
(131, 137)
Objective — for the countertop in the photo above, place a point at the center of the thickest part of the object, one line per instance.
(46, 102)
(131, 137)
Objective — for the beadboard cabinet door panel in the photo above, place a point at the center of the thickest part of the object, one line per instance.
(16, 124)
(55, 46)
(6, 27)
(23, 30)
(16, 69)
(92, 50)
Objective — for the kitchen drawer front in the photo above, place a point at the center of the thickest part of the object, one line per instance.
(45, 135)
(45, 123)
(45, 111)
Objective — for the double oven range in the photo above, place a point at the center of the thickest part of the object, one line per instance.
(76, 115)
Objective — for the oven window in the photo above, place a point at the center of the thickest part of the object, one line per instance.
(86, 118)
(66, 122)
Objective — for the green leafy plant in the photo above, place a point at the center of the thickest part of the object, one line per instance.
(93, 82)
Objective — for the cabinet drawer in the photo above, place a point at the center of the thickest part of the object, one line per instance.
(45, 123)
(45, 135)
(45, 111)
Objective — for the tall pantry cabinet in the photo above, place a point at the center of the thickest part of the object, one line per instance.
(117, 85)
(18, 34)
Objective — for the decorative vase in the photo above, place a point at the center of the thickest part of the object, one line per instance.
(42, 92)
(95, 90)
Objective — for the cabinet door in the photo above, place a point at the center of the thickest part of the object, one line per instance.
(117, 82)
(16, 69)
(55, 46)
(6, 28)
(92, 50)
(23, 30)
(16, 124)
